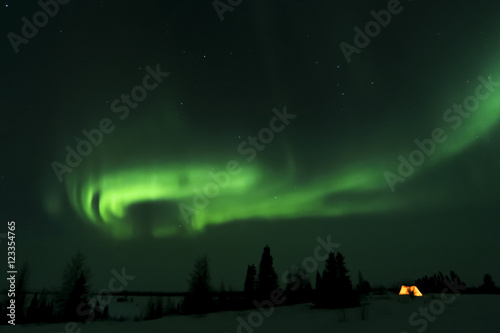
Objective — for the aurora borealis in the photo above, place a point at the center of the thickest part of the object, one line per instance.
(205, 159)
(212, 193)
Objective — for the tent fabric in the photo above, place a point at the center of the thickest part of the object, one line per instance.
(406, 290)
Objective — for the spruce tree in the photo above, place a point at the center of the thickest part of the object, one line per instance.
(318, 293)
(268, 279)
(456, 279)
(78, 303)
(346, 296)
(298, 287)
(334, 288)
(329, 290)
(222, 299)
(488, 286)
(250, 284)
(74, 288)
(199, 299)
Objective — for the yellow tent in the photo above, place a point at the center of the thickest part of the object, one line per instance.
(407, 290)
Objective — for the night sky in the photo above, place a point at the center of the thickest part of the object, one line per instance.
(251, 130)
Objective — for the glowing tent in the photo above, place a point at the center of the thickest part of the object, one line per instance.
(409, 290)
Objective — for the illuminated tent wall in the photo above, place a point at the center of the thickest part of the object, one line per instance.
(407, 290)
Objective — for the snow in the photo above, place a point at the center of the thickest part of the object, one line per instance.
(389, 313)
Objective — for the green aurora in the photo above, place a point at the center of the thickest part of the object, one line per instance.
(104, 191)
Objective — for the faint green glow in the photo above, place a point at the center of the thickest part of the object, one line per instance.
(479, 123)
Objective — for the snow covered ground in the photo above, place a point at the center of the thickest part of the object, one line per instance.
(385, 314)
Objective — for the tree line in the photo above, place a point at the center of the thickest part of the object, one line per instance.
(72, 301)
(333, 289)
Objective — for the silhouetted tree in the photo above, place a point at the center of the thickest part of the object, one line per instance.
(298, 287)
(455, 279)
(199, 299)
(363, 287)
(488, 286)
(318, 281)
(223, 297)
(250, 285)
(346, 295)
(268, 279)
(335, 289)
(233, 301)
(74, 301)
(78, 307)
(437, 282)
(328, 290)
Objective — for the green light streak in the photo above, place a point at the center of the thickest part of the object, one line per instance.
(479, 123)
(104, 193)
